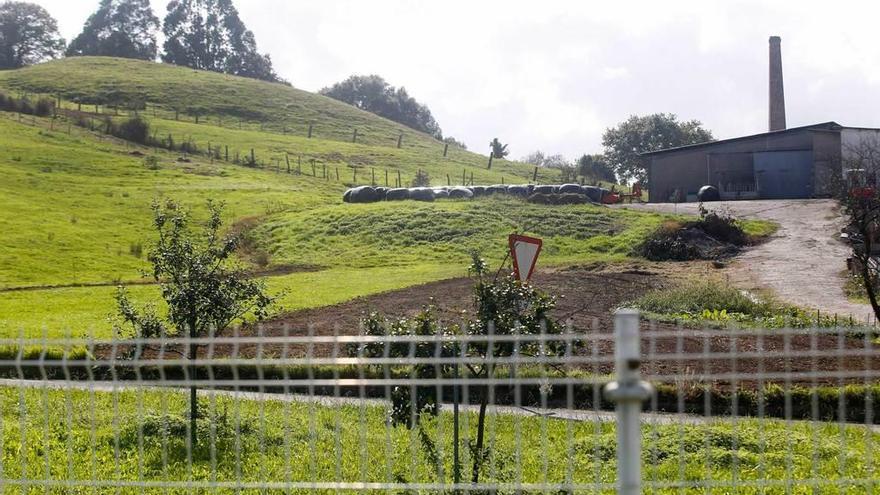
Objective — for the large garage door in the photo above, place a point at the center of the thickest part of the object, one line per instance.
(784, 174)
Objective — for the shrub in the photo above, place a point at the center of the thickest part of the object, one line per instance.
(422, 179)
(24, 106)
(136, 249)
(697, 297)
(151, 162)
(44, 107)
(135, 129)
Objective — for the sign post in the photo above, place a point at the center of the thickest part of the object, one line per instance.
(524, 251)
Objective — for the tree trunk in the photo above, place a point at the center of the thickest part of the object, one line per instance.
(867, 276)
(193, 399)
(481, 427)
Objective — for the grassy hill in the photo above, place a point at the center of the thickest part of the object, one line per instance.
(168, 89)
(76, 213)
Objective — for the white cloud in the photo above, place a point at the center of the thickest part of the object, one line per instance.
(553, 74)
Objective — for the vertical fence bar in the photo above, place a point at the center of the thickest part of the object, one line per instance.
(628, 393)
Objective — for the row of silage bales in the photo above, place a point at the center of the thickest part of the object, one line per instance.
(373, 194)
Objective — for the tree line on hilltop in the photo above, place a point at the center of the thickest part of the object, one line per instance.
(202, 34)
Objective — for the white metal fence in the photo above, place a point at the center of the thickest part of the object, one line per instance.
(720, 411)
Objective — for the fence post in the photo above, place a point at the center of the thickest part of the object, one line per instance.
(628, 393)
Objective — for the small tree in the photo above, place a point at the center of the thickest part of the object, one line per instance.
(422, 179)
(204, 293)
(499, 151)
(859, 195)
(504, 306)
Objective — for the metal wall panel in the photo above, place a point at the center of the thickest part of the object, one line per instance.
(784, 174)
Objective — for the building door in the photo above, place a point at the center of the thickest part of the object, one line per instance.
(784, 174)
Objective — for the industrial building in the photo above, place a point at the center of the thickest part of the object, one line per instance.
(801, 162)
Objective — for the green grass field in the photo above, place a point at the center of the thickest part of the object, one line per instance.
(77, 218)
(140, 436)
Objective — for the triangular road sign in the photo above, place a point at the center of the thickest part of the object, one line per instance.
(524, 251)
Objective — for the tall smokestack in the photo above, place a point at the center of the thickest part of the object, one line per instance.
(777, 89)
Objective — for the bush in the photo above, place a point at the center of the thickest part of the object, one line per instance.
(151, 162)
(44, 107)
(697, 297)
(135, 129)
(422, 179)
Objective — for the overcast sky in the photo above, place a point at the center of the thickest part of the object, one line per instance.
(552, 75)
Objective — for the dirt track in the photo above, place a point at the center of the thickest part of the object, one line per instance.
(802, 263)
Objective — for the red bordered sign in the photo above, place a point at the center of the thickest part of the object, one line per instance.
(524, 251)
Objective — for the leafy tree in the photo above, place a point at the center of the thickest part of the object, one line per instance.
(624, 143)
(454, 142)
(539, 159)
(499, 150)
(119, 28)
(859, 195)
(373, 94)
(209, 35)
(595, 167)
(28, 35)
(203, 293)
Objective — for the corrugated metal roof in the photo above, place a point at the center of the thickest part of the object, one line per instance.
(822, 126)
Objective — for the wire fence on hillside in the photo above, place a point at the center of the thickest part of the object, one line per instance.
(305, 410)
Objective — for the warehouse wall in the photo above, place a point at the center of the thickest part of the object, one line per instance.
(687, 170)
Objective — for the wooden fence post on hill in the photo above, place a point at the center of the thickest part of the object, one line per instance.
(445, 149)
(354, 137)
(399, 140)
(310, 130)
(287, 159)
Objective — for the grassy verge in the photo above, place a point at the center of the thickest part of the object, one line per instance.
(140, 436)
(712, 303)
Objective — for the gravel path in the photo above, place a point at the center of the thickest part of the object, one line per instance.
(803, 263)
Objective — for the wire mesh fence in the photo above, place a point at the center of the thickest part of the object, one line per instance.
(727, 410)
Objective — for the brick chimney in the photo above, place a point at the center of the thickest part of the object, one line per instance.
(777, 89)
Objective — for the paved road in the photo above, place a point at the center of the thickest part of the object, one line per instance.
(803, 263)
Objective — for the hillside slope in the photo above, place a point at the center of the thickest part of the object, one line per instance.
(77, 220)
(168, 89)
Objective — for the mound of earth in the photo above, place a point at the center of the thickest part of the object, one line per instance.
(713, 237)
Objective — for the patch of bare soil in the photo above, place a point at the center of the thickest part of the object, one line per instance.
(588, 298)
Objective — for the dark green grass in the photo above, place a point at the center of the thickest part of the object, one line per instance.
(140, 436)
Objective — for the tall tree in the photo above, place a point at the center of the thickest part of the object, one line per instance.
(28, 35)
(119, 28)
(373, 94)
(209, 35)
(624, 143)
(595, 167)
